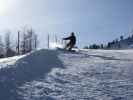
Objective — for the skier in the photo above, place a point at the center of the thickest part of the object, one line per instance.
(72, 41)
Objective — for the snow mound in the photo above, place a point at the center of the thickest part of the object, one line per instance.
(25, 69)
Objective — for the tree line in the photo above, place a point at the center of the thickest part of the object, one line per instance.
(26, 41)
(118, 43)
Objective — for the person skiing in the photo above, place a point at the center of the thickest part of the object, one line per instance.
(72, 41)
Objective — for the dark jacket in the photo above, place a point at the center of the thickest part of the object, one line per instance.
(71, 38)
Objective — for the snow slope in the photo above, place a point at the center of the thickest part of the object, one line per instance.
(60, 75)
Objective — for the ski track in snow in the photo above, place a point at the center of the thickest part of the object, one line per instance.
(83, 75)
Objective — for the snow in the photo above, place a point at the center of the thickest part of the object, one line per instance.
(58, 75)
(55, 45)
(5, 62)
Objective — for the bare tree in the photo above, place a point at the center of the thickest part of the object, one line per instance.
(23, 44)
(35, 41)
(18, 43)
(32, 41)
(7, 41)
(29, 41)
(48, 40)
(2, 51)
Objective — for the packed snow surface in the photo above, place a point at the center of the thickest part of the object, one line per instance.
(62, 75)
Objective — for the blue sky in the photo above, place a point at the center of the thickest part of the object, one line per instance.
(93, 21)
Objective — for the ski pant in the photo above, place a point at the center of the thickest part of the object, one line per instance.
(69, 45)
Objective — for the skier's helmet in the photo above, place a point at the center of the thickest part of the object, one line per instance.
(72, 34)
